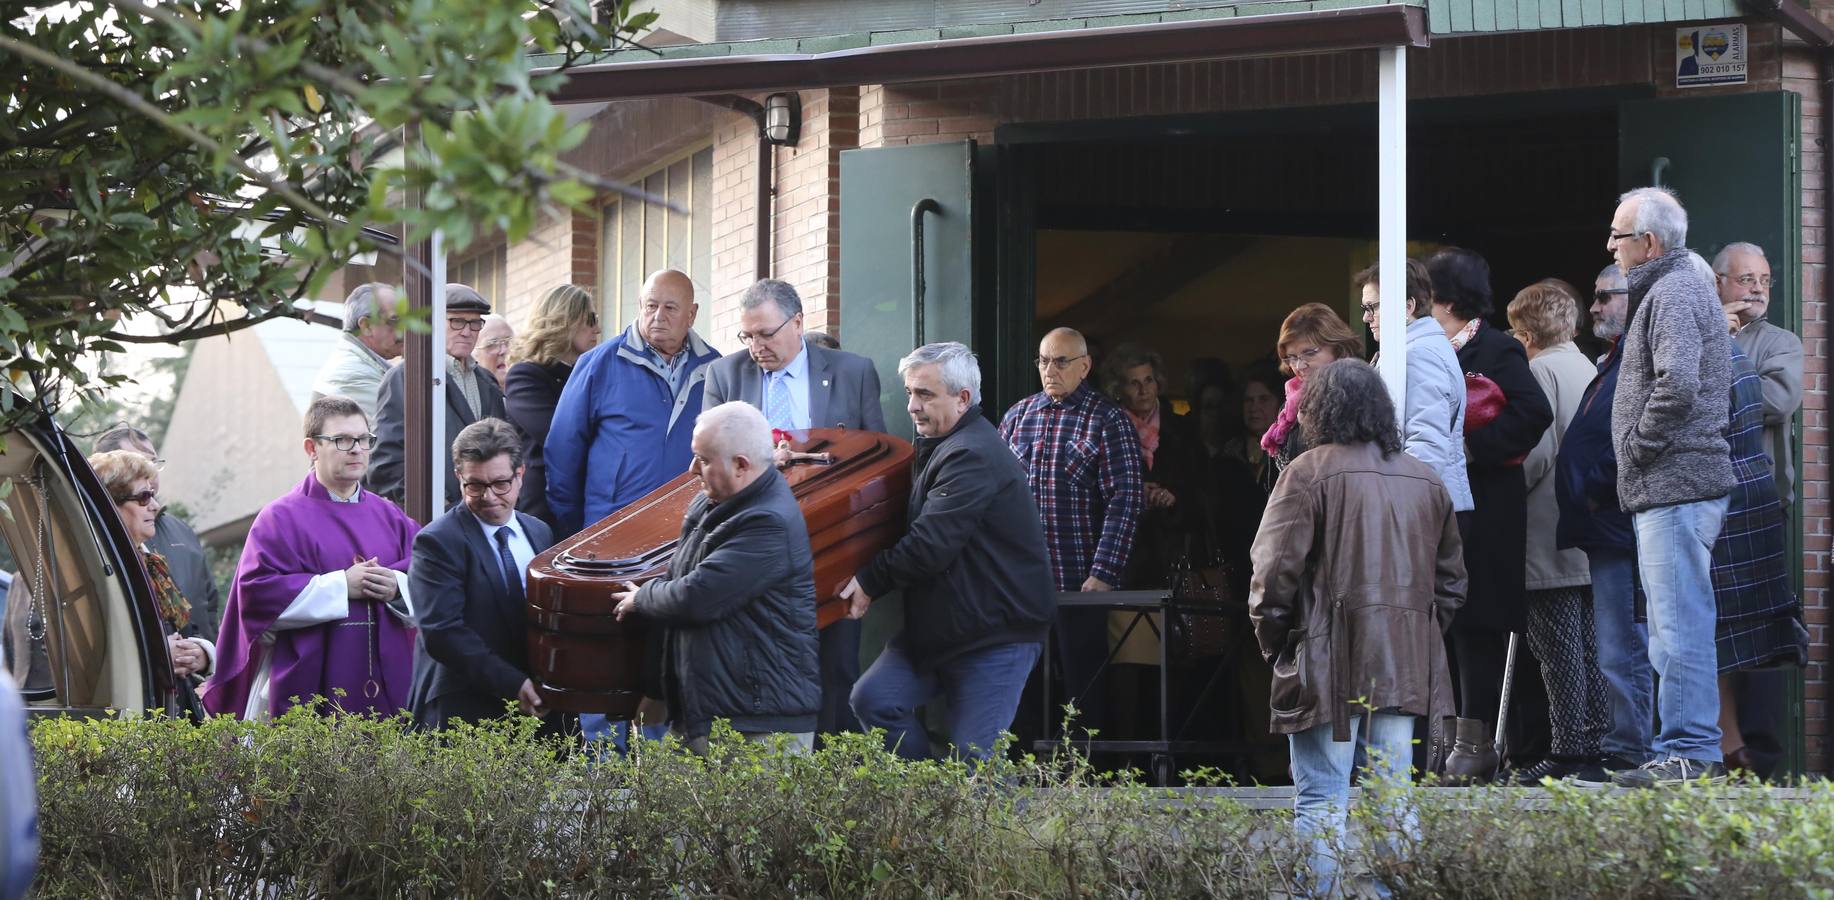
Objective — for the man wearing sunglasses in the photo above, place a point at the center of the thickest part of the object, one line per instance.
(371, 338)
(471, 394)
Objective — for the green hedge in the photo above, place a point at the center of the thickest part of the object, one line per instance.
(313, 806)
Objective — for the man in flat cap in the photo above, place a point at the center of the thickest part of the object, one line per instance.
(471, 394)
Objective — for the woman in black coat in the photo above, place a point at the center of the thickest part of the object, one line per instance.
(1495, 532)
(562, 327)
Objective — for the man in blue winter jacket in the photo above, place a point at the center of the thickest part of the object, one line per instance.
(1585, 488)
(624, 421)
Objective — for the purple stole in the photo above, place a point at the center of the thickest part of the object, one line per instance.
(369, 655)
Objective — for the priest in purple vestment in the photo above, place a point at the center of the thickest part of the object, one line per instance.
(320, 605)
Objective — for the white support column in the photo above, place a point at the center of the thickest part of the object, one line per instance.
(436, 425)
(1391, 231)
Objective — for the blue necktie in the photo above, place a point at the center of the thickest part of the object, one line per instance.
(512, 578)
(778, 403)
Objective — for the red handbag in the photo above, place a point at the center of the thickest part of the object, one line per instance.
(1484, 401)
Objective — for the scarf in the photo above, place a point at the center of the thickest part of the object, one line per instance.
(173, 607)
(1465, 334)
(1149, 434)
(1275, 437)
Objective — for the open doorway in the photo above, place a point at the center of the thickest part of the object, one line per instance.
(1197, 241)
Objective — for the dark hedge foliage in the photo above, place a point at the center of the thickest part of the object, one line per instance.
(316, 807)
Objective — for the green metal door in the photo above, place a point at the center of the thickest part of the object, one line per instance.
(907, 256)
(1733, 160)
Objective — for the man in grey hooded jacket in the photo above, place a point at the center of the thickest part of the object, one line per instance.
(1668, 424)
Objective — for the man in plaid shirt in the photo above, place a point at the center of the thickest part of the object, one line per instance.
(1082, 457)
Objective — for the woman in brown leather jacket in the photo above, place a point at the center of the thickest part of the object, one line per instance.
(1357, 566)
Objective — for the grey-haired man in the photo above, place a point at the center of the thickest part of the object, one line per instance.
(1668, 426)
(371, 338)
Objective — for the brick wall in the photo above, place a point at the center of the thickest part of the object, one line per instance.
(562, 249)
(1799, 73)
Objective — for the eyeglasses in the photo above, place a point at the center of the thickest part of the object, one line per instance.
(592, 319)
(1627, 235)
(144, 498)
(1747, 280)
(1059, 363)
(476, 488)
(465, 324)
(1605, 296)
(498, 344)
(347, 442)
(1303, 356)
(748, 339)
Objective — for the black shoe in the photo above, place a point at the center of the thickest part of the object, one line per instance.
(1670, 772)
(1556, 769)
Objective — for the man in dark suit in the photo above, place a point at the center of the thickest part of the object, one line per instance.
(799, 384)
(471, 394)
(466, 586)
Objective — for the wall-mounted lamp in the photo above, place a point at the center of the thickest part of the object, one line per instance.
(783, 119)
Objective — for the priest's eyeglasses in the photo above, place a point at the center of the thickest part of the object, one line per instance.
(476, 488)
(347, 442)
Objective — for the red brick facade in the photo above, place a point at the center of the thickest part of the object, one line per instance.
(805, 232)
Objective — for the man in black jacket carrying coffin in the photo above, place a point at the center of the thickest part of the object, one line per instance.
(738, 603)
(973, 567)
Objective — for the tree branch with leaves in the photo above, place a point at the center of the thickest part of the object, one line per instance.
(211, 163)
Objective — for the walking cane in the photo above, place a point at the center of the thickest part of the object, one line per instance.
(1502, 710)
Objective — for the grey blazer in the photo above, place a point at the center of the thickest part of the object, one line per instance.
(1777, 354)
(387, 465)
(843, 387)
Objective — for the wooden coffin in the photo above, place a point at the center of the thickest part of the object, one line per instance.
(584, 660)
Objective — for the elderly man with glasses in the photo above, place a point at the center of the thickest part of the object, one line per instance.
(1674, 471)
(472, 393)
(1081, 455)
(319, 610)
(799, 384)
(1751, 701)
(372, 336)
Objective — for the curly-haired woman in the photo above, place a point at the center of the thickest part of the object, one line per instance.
(562, 327)
(1357, 563)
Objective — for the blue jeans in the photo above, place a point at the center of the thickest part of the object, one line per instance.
(596, 727)
(1675, 558)
(1623, 656)
(1321, 786)
(981, 689)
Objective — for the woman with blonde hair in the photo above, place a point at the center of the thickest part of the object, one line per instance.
(1312, 337)
(563, 327)
(1545, 316)
(133, 483)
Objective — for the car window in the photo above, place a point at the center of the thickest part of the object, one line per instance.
(67, 641)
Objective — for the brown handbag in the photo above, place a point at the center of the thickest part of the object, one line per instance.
(1204, 620)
